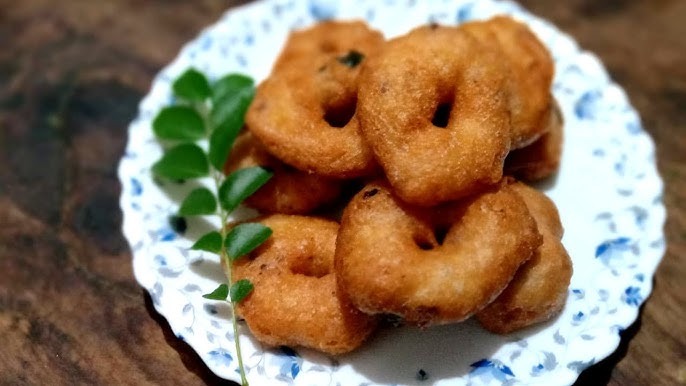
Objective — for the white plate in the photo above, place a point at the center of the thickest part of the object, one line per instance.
(608, 193)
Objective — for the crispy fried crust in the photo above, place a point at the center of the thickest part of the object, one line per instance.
(310, 49)
(539, 289)
(289, 191)
(295, 301)
(542, 158)
(401, 89)
(390, 257)
(305, 112)
(531, 70)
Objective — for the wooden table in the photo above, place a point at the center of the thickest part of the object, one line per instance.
(71, 75)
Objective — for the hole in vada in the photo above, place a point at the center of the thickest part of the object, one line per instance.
(440, 233)
(310, 266)
(423, 244)
(340, 115)
(442, 114)
(426, 243)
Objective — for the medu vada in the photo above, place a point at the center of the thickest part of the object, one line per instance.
(431, 265)
(295, 301)
(289, 191)
(433, 107)
(305, 111)
(311, 48)
(539, 289)
(542, 158)
(531, 70)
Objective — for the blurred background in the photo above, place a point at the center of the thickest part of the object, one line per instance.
(71, 75)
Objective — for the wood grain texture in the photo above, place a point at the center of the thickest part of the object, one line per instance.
(71, 75)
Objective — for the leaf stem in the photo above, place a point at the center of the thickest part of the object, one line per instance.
(181, 123)
(224, 216)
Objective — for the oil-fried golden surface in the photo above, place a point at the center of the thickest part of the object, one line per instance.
(289, 191)
(531, 70)
(436, 68)
(310, 49)
(305, 111)
(295, 301)
(542, 158)
(539, 289)
(443, 236)
(431, 266)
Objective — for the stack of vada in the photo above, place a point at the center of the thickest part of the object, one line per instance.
(438, 126)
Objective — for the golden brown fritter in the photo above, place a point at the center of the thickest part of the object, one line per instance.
(539, 289)
(311, 48)
(289, 191)
(531, 70)
(305, 111)
(431, 265)
(295, 301)
(542, 158)
(433, 107)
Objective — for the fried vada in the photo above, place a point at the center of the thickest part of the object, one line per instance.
(539, 289)
(295, 301)
(289, 191)
(431, 265)
(310, 49)
(530, 68)
(305, 114)
(434, 108)
(542, 158)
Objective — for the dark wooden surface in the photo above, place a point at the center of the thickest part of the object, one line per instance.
(71, 75)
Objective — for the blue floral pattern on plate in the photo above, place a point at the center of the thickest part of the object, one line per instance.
(608, 192)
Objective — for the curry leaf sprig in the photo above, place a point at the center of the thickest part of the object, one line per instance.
(213, 112)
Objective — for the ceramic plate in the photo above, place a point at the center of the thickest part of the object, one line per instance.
(608, 193)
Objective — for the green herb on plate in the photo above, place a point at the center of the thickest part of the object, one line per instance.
(214, 112)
